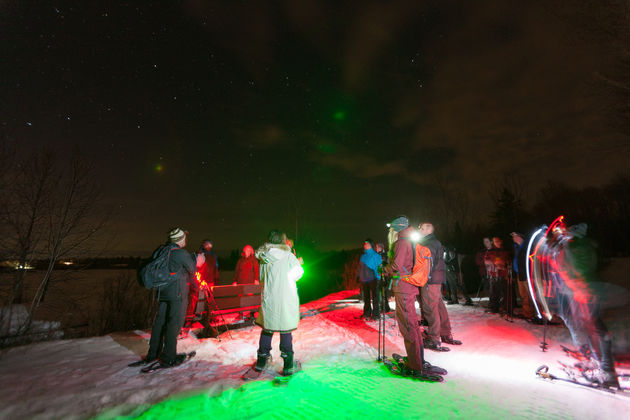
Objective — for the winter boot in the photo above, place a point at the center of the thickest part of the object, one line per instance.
(448, 339)
(263, 361)
(607, 376)
(290, 365)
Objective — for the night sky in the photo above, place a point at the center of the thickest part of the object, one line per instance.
(229, 118)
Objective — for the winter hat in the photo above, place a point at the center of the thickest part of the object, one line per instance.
(399, 223)
(177, 234)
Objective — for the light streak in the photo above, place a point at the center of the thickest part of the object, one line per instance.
(527, 270)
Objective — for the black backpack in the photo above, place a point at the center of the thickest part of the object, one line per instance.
(155, 273)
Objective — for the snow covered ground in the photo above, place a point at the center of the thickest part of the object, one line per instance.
(490, 376)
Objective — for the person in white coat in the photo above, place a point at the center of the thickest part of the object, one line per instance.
(280, 306)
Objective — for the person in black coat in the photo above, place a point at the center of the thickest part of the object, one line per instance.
(433, 308)
(173, 300)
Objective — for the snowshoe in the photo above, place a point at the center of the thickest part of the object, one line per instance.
(262, 364)
(141, 362)
(432, 345)
(427, 367)
(396, 369)
(179, 359)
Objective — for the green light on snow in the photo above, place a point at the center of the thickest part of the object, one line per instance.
(352, 388)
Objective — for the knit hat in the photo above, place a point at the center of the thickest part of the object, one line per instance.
(399, 223)
(177, 234)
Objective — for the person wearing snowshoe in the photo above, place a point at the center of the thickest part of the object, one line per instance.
(497, 265)
(480, 258)
(280, 305)
(173, 300)
(434, 310)
(576, 300)
(369, 276)
(401, 264)
(519, 266)
(453, 278)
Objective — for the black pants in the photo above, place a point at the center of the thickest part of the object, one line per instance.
(370, 299)
(264, 344)
(168, 322)
(452, 280)
(498, 286)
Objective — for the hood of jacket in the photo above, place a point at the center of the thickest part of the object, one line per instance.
(270, 253)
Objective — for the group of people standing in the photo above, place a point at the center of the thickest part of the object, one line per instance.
(274, 264)
(503, 274)
(278, 269)
(391, 269)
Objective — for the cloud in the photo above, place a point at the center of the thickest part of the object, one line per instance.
(362, 166)
(261, 137)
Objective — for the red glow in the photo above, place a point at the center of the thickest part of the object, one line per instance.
(202, 283)
(559, 222)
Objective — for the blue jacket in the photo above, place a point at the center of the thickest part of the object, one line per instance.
(368, 266)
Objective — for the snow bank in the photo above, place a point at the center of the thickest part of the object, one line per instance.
(13, 318)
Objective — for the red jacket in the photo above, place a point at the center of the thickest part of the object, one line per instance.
(246, 271)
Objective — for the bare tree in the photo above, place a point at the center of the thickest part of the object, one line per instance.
(52, 210)
(30, 188)
(71, 221)
(453, 206)
(509, 198)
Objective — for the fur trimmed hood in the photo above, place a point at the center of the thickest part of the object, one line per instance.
(267, 252)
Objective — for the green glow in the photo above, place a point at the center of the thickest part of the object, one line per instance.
(353, 388)
(159, 168)
(339, 115)
(327, 148)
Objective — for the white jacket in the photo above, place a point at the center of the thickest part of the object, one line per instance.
(279, 271)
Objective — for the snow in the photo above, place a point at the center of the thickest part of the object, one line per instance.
(14, 317)
(490, 376)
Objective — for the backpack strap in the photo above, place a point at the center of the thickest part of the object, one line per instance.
(413, 253)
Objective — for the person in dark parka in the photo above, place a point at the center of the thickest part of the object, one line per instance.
(173, 300)
(434, 310)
